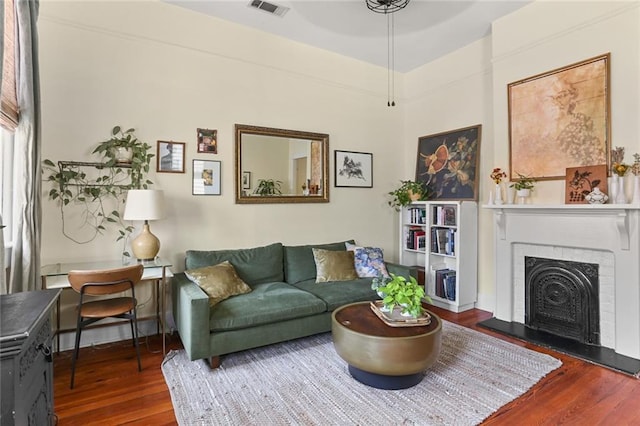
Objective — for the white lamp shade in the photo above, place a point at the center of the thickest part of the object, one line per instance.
(144, 204)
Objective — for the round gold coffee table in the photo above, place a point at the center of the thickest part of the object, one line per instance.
(382, 356)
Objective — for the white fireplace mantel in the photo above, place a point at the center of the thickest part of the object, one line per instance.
(619, 212)
(592, 232)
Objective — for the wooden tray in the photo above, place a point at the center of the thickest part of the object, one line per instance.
(395, 318)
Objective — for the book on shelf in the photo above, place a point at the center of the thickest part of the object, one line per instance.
(444, 216)
(415, 239)
(443, 241)
(450, 285)
(417, 215)
(449, 216)
(445, 283)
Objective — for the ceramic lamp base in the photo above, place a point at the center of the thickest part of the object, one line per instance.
(146, 245)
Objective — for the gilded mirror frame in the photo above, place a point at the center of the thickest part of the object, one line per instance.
(245, 196)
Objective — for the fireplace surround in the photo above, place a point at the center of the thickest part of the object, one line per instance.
(603, 235)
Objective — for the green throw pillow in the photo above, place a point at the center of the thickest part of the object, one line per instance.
(334, 265)
(219, 281)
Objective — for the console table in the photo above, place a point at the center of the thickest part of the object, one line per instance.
(25, 358)
(54, 276)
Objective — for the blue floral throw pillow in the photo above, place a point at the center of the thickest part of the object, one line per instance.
(368, 261)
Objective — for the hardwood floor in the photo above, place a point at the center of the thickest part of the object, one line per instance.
(110, 391)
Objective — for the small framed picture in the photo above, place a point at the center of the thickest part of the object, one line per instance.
(206, 177)
(170, 157)
(353, 169)
(246, 180)
(207, 141)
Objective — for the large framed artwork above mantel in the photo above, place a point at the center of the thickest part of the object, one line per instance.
(560, 119)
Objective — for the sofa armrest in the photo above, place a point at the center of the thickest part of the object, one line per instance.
(402, 270)
(191, 314)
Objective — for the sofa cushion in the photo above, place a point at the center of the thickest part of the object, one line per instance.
(334, 265)
(338, 293)
(267, 303)
(253, 265)
(369, 261)
(299, 264)
(219, 281)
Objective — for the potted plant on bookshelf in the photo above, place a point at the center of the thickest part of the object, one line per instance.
(523, 186)
(408, 192)
(407, 294)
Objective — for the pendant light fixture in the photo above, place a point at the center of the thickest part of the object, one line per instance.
(388, 7)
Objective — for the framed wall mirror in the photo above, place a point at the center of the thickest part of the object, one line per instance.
(281, 166)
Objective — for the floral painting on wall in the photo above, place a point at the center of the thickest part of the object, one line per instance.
(448, 162)
(560, 119)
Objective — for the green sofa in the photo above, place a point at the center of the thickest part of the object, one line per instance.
(285, 302)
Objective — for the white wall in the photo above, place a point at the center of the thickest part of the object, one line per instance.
(167, 71)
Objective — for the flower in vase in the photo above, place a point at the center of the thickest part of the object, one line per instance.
(497, 175)
(635, 168)
(620, 168)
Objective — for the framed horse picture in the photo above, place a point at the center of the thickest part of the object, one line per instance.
(353, 169)
(448, 163)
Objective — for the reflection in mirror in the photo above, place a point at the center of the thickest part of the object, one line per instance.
(281, 166)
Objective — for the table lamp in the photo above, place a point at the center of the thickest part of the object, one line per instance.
(144, 204)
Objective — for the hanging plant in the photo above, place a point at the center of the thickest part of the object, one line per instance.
(93, 194)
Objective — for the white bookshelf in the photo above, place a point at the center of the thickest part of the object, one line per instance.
(442, 238)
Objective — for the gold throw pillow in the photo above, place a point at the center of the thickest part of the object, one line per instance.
(219, 281)
(334, 265)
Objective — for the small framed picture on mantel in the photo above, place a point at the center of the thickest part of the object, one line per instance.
(580, 181)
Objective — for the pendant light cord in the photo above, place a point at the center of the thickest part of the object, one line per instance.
(391, 61)
(388, 7)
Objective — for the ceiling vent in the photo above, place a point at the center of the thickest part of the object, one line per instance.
(271, 8)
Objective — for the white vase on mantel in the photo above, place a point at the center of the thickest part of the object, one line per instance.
(613, 188)
(621, 197)
(498, 197)
(636, 189)
(490, 201)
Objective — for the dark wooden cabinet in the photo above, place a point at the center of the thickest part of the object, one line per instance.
(26, 396)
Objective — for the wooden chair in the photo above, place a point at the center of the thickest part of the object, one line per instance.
(102, 283)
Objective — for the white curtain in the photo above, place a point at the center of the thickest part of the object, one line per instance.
(3, 283)
(25, 256)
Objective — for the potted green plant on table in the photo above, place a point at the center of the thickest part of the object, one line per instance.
(407, 294)
(268, 187)
(408, 192)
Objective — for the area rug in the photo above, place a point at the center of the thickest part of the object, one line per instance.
(305, 382)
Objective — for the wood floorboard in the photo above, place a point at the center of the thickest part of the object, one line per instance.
(110, 391)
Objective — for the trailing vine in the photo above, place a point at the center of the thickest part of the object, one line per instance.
(94, 193)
